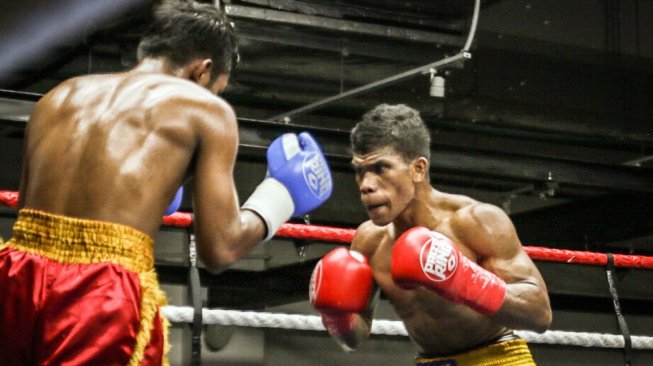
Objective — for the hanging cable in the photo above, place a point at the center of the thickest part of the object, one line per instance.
(426, 69)
(472, 28)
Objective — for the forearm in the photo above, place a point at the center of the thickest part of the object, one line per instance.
(231, 244)
(351, 339)
(252, 233)
(525, 306)
(343, 292)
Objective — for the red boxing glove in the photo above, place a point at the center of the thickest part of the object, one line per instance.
(338, 323)
(421, 257)
(341, 285)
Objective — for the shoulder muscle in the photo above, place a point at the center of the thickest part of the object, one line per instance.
(486, 229)
(367, 238)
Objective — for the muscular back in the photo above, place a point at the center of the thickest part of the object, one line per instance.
(112, 147)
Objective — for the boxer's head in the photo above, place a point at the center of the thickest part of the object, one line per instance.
(391, 151)
(185, 31)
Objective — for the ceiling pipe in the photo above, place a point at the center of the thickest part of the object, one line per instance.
(426, 69)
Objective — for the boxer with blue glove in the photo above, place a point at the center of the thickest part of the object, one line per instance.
(128, 141)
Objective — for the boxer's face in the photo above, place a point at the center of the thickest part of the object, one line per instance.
(385, 183)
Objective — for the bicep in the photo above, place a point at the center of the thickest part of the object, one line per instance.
(215, 199)
(491, 234)
(526, 304)
(24, 172)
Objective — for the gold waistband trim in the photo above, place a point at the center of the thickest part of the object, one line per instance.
(80, 241)
(508, 353)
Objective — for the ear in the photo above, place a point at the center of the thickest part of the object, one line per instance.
(201, 72)
(420, 169)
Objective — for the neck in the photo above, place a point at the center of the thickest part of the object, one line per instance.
(157, 66)
(419, 211)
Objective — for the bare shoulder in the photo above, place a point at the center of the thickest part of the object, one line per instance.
(480, 214)
(61, 90)
(368, 237)
(177, 96)
(486, 229)
(185, 90)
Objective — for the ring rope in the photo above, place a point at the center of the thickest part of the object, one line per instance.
(388, 327)
(345, 236)
(184, 314)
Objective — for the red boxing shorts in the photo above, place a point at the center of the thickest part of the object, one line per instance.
(79, 292)
(508, 353)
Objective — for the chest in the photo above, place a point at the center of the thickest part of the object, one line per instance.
(381, 266)
(381, 257)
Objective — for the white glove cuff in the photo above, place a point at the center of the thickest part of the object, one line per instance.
(272, 201)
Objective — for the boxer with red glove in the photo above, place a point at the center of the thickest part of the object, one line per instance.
(423, 274)
(421, 257)
(341, 288)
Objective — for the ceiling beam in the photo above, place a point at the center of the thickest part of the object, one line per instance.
(256, 135)
(344, 26)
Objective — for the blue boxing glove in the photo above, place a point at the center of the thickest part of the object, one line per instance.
(299, 164)
(176, 202)
(298, 181)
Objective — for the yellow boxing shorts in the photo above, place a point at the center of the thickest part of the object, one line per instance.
(509, 353)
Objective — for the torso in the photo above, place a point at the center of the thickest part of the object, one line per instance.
(436, 325)
(112, 147)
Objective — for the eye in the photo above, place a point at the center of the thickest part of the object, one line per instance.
(380, 168)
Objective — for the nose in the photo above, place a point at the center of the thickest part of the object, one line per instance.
(367, 184)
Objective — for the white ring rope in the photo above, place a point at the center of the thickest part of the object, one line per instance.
(184, 314)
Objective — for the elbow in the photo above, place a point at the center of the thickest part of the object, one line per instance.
(542, 320)
(350, 342)
(349, 345)
(533, 315)
(214, 267)
(217, 261)
(545, 315)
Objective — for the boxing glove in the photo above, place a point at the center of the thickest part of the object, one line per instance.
(340, 286)
(176, 202)
(421, 257)
(298, 180)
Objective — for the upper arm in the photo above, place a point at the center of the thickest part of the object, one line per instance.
(215, 205)
(24, 173)
(22, 184)
(490, 234)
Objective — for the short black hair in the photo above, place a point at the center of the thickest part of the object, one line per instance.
(183, 30)
(397, 126)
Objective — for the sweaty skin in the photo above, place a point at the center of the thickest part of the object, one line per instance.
(397, 196)
(116, 148)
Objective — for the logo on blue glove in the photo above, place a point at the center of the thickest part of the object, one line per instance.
(316, 174)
